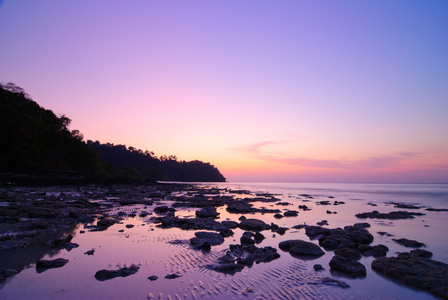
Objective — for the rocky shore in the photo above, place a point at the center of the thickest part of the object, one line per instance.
(43, 217)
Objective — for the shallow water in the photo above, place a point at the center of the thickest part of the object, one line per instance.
(153, 250)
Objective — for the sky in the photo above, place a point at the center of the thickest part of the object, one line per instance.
(286, 91)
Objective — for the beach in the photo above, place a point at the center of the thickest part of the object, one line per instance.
(144, 241)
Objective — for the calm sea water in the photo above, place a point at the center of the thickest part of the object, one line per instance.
(285, 278)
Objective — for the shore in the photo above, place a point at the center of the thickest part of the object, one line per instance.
(225, 232)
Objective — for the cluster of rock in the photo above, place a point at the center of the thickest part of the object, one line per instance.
(393, 215)
(416, 269)
(104, 274)
(348, 244)
(239, 256)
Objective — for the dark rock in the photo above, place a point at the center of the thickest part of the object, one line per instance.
(375, 251)
(230, 224)
(43, 265)
(300, 247)
(382, 233)
(239, 207)
(277, 229)
(245, 255)
(172, 276)
(103, 275)
(322, 223)
(408, 243)
(404, 205)
(226, 268)
(304, 207)
(211, 238)
(416, 271)
(254, 225)
(324, 202)
(103, 224)
(153, 277)
(283, 203)
(242, 218)
(90, 252)
(291, 213)
(129, 226)
(338, 202)
(246, 238)
(207, 212)
(394, 215)
(164, 209)
(349, 237)
(351, 268)
(436, 209)
(421, 253)
(348, 253)
(278, 216)
(318, 267)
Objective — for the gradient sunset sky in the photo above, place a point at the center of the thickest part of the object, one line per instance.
(288, 90)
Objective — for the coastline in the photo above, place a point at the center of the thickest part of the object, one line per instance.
(120, 201)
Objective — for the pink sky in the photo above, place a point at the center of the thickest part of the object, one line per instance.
(296, 91)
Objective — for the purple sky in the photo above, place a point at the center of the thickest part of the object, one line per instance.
(311, 91)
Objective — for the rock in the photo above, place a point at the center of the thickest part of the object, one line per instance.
(230, 224)
(404, 205)
(8, 273)
(207, 212)
(90, 252)
(43, 265)
(351, 268)
(300, 247)
(246, 238)
(383, 233)
(278, 216)
(408, 243)
(375, 251)
(103, 224)
(283, 203)
(416, 271)
(291, 213)
(172, 276)
(322, 223)
(318, 267)
(324, 202)
(153, 278)
(103, 275)
(246, 255)
(349, 237)
(129, 226)
(253, 225)
(338, 202)
(394, 215)
(348, 253)
(226, 268)
(436, 209)
(304, 207)
(421, 253)
(239, 207)
(202, 237)
(164, 209)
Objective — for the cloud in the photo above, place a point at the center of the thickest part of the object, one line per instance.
(375, 162)
(254, 148)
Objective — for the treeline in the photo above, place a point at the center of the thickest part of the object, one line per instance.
(35, 141)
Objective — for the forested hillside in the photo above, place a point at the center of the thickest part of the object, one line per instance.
(35, 141)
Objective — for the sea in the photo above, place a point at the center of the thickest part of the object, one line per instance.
(160, 252)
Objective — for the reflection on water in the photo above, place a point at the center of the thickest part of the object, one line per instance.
(152, 250)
